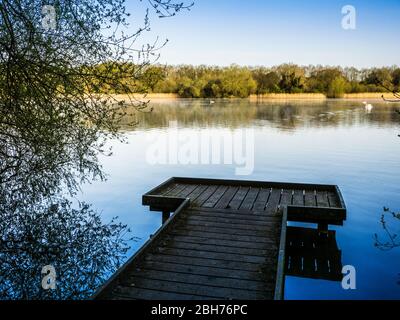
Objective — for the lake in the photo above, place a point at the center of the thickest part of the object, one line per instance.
(329, 142)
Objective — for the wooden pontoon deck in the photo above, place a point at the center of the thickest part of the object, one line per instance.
(227, 239)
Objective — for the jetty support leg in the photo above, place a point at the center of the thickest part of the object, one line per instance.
(165, 215)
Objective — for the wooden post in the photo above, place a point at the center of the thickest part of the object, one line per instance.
(165, 216)
(323, 229)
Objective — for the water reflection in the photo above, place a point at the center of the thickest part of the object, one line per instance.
(333, 142)
(390, 222)
(284, 115)
(42, 165)
(312, 254)
(82, 250)
(35, 169)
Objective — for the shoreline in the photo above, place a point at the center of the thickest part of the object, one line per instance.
(374, 96)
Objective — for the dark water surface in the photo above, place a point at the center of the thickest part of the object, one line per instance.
(329, 142)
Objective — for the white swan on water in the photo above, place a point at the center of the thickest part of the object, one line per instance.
(368, 107)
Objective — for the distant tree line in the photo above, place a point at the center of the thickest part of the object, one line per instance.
(237, 81)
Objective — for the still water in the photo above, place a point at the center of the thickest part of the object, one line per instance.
(330, 142)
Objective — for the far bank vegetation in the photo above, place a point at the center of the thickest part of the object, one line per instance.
(188, 81)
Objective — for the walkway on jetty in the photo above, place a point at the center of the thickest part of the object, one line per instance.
(228, 239)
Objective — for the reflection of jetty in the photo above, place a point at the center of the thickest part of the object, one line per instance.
(229, 239)
(311, 254)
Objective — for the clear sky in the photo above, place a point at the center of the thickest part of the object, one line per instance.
(256, 32)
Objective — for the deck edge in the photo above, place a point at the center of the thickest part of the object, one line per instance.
(280, 272)
(108, 285)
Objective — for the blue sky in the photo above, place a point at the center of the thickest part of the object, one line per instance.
(255, 32)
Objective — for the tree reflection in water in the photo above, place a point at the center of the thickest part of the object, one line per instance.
(42, 165)
(39, 174)
(390, 238)
(82, 249)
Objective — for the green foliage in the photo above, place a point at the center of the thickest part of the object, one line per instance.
(292, 78)
(151, 76)
(382, 77)
(396, 78)
(267, 81)
(321, 80)
(213, 89)
(337, 88)
(236, 81)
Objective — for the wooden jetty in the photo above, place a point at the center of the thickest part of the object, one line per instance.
(229, 239)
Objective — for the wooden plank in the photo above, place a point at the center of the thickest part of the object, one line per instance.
(333, 200)
(161, 203)
(226, 223)
(286, 197)
(226, 198)
(273, 201)
(253, 218)
(250, 198)
(339, 195)
(260, 247)
(205, 262)
(164, 185)
(253, 183)
(201, 253)
(208, 280)
(151, 294)
(197, 192)
(213, 199)
(223, 236)
(207, 271)
(309, 198)
(270, 235)
(187, 190)
(281, 257)
(176, 190)
(333, 216)
(298, 198)
(204, 196)
(191, 245)
(238, 198)
(167, 188)
(322, 199)
(196, 289)
(255, 214)
(239, 220)
(262, 199)
(172, 190)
